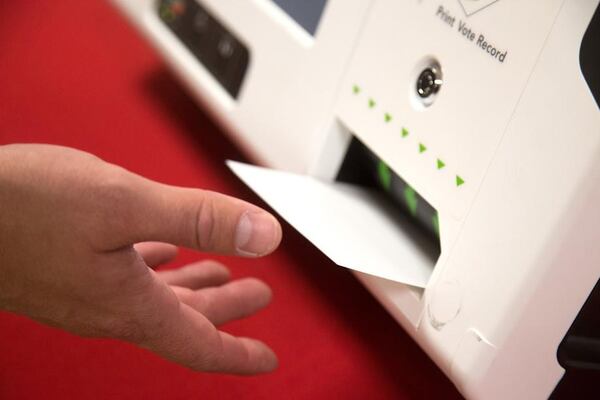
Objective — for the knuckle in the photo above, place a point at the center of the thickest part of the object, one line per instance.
(206, 225)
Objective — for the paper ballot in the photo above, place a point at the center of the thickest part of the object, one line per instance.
(354, 226)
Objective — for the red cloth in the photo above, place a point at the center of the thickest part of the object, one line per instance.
(74, 73)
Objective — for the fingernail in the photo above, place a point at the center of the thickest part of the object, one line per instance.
(256, 233)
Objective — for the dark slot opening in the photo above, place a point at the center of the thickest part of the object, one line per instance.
(579, 351)
(362, 167)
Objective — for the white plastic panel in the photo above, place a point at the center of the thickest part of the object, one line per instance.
(285, 103)
(464, 125)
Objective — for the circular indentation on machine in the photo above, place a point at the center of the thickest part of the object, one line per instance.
(445, 304)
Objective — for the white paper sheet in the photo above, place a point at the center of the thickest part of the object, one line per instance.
(352, 225)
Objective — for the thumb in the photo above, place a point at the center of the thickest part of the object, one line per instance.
(194, 218)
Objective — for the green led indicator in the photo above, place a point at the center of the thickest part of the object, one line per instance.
(387, 117)
(435, 221)
(166, 13)
(459, 181)
(404, 132)
(440, 164)
(356, 89)
(385, 175)
(422, 148)
(410, 196)
(372, 103)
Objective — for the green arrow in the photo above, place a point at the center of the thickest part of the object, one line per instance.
(387, 117)
(356, 89)
(459, 181)
(371, 103)
(404, 132)
(385, 175)
(440, 164)
(410, 196)
(422, 148)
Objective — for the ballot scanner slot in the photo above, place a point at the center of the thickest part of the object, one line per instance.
(352, 221)
(363, 167)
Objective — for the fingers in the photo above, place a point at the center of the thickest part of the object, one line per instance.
(181, 334)
(198, 219)
(220, 351)
(197, 275)
(231, 301)
(155, 253)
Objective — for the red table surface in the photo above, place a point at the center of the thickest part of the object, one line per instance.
(75, 73)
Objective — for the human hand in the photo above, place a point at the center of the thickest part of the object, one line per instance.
(68, 225)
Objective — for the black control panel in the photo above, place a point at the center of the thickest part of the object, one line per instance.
(224, 55)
